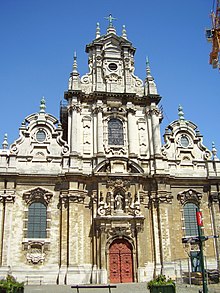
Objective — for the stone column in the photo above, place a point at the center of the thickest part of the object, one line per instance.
(155, 233)
(103, 272)
(69, 128)
(150, 134)
(132, 131)
(2, 219)
(8, 201)
(164, 231)
(64, 229)
(215, 213)
(99, 128)
(74, 126)
(154, 112)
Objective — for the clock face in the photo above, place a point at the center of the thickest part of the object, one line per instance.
(41, 135)
(113, 66)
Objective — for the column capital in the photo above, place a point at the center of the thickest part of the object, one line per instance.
(153, 111)
(7, 195)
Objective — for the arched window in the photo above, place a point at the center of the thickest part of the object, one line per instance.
(115, 132)
(191, 228)
(37, 220)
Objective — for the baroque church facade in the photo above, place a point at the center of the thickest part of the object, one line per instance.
(97, 197)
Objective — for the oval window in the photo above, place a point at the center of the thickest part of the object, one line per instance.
(113, 66)
(40, 136)
(184, 141)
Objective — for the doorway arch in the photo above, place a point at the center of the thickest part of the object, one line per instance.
(121, 262)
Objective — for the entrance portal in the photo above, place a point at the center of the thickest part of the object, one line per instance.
(121, 262)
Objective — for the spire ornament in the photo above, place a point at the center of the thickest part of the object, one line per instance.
(110, 18)
(111, 28)
(42, 105)
(98, 35)
(181, 113)
(214, 152)
(150, 85)
(74, 80)
(124, 32)
(5, 142)
(148, 73)
(75, 63)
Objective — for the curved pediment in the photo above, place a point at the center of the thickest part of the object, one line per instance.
(118, 165)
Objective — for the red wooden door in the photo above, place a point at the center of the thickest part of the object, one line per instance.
(121, 262)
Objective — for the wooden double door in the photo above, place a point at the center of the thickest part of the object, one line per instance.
(121, 262)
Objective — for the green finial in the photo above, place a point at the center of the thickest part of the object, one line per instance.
(42, 105)
(5, 142)
(98, 35)
(110, 18)
(148, 67)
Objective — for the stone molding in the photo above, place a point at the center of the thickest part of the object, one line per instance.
(162, 198)
(115, 227)
(73, 196)
(37, 194)
(189, 195)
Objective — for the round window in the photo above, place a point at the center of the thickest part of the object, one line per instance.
(184, 141)
(113, 66)
(40, 136)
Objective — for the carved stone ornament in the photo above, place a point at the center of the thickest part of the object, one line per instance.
(35, 252)
(7, 195)
(37, 194)
(214, 197)
(154, 111)
(118, 183)
(162, 197)
(189, 195)
(73, 196)
(119, 203)
(114, 227)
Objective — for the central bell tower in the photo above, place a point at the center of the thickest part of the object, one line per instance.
(111, 112)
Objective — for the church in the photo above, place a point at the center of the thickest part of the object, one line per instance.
(103, 194)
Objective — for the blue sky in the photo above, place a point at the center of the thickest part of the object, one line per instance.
(38, 39)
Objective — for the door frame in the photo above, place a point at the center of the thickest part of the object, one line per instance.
(131, 242)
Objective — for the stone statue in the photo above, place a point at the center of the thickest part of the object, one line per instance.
(118, 202)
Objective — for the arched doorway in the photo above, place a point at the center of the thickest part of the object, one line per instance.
(121, 262)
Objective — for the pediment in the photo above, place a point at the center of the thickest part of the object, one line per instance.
(37, 194)
(118, 165)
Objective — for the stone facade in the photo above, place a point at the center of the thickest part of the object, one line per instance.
(97, 197)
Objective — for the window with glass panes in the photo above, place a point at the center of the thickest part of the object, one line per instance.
(191, 228)
(115, 132)
(37, 220)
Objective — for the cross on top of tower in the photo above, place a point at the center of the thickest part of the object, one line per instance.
(110, 18)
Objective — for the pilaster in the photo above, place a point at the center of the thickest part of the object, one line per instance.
(75, 127)
(7, 200)
(132, 131)
(99, 109)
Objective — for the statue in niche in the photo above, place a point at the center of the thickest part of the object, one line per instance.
(119, 202)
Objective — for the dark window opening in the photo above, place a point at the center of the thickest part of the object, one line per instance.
(37, 220)
(191, 228)
(115, 132)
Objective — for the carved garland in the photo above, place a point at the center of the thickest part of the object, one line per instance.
(118, 183)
